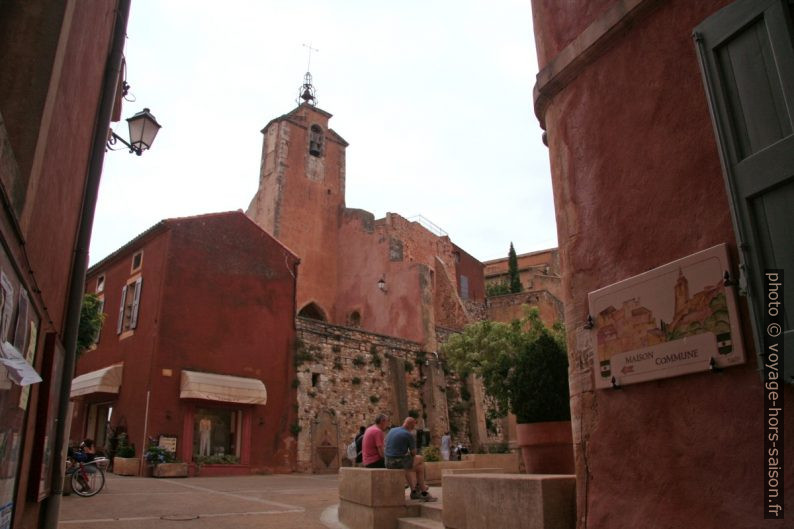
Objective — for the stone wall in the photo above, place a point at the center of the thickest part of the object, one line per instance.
(508, 307)
(353, 375)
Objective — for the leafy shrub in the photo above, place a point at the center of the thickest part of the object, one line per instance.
(431, 453)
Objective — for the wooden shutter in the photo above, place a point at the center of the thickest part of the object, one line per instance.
(747, 61)
(120, 324)
(136, 300)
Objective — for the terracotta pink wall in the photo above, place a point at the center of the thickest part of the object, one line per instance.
(135, 351)
(218, 296)
(637, 183)
(303, 211)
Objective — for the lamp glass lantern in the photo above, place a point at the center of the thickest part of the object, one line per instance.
(143, 129)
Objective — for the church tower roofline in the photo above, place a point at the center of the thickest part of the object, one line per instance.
(295, 116)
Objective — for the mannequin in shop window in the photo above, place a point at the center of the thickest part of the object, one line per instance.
(205, 427)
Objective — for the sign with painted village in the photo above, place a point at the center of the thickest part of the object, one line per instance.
(676, 319)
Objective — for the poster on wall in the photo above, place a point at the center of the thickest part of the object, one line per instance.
(676, 319)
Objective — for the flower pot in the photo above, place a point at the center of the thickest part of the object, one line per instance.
(546, 447)
(126, 466)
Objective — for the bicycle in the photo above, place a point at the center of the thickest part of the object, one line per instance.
(87, 481)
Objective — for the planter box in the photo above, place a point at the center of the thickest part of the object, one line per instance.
(126, 466)
(170, 470)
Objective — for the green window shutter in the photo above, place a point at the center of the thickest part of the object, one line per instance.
(747, 60)
(120, 324)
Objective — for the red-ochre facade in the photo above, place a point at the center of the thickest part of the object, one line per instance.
(217, 296)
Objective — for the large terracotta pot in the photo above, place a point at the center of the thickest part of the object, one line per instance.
(546, 447)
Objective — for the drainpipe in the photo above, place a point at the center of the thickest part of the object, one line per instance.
(80, 262)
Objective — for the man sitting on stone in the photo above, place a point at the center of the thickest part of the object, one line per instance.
(401, 454)
(372, 455)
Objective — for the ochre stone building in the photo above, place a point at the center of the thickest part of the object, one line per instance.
(624, 94)
(390, 276)
(539, 273)
(197, 345)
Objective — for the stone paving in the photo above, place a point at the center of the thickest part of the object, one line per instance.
(300, 501)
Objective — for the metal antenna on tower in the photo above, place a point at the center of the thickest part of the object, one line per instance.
(307, 92)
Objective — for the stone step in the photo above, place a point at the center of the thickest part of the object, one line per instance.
(432, 511)
(418, 523)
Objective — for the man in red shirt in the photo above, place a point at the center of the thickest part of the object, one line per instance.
(372, 446)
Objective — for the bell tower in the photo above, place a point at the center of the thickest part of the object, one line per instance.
(301, 196)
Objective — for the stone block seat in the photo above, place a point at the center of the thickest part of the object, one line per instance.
(373, 498)
(525, 501)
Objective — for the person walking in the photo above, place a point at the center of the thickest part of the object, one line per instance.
(446, 446)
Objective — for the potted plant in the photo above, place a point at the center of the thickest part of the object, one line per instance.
(163, 462)
(524, 369)
(124, 462)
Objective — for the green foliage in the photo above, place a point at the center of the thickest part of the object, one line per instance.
(155, 455)
(338, 363)
(497, 289)
(355, 381)
(431, 453)
(465, 394)
(295, 429)
(376, 360)
(359, 361)
(374, 399)
(409, 366)
(91, 319)
(512, 270)
(124, 448)
(296, 382)
(523, 366)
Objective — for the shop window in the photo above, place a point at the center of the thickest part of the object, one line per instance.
(316, 141)
(216, 435)
(128, 308)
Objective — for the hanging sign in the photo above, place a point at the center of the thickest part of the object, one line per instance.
(676, 319)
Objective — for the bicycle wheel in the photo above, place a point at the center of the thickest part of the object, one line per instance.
(87, 483)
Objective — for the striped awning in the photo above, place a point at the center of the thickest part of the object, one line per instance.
(105, 380)
(223, 388)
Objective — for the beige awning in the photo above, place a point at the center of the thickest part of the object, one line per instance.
(224, 388)
(105, 380)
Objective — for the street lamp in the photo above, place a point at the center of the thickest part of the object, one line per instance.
(143, 128)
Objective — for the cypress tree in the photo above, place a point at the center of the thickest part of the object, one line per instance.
(512, 269)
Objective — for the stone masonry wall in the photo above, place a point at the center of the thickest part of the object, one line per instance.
(354, 375)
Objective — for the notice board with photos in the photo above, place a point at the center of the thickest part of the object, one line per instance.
(676, 319)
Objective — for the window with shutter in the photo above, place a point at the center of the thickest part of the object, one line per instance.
(747, 60)
(120, 324)
(130, 303)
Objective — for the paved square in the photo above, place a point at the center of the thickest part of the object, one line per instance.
(277, 501)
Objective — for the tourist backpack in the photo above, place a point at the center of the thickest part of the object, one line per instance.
(352, 452)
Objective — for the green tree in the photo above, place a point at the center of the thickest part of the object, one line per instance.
(523, 366)
(91, 319)
(512, 270)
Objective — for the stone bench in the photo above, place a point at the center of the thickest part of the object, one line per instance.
(373, 498)
(510, 462)
(434, 469)
(458, 471)
(525, 501)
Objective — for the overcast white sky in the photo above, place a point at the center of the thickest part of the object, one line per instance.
(434, 97)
